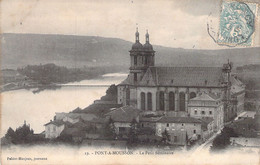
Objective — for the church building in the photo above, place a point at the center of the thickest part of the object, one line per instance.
(168, 90)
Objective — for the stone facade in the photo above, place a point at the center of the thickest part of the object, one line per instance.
(179, 129)
(205, 106)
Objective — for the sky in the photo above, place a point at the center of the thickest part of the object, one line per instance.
(171, 23)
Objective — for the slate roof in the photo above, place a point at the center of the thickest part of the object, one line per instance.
(167, 119)
(183, 76)
(124, 114)
(206, 97)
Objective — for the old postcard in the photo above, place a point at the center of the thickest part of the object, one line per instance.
(130, 82)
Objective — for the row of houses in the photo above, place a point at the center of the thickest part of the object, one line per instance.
(197, 126)
(180, 129)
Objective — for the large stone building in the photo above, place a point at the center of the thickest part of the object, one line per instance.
(207, 105)
(168, 90)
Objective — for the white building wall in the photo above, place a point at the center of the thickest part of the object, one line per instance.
(189, 127)
(52, 131)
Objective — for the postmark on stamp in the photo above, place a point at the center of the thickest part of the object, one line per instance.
(237, 23)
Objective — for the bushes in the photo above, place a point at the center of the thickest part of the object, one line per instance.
(222, 141)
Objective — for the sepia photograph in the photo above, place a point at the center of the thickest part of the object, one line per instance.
(130, 82)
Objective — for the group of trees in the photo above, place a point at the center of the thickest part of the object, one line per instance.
(110, 130)
(22, 135)
(51, 73)
(111, 94)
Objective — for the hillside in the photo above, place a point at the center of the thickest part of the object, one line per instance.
(77, 51)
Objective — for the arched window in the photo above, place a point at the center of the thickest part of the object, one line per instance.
(127, 96)
(135, 60)
(135, 77)
(192, 95)
(171, 101)
(149, 101)
(182, 101)
(161, 100)
(143, 101)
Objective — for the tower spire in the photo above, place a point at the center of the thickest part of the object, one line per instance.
(136, 35)
(147, 36)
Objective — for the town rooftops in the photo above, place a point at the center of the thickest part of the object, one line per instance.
(124, 114)
(167, 119)
(183, 76)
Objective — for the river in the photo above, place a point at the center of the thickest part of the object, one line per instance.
(37, 109)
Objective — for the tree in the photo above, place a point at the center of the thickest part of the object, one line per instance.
(11, 135)
(22, 133)
(165, 136)
(223, 140)
(110, 129)
(132, 136)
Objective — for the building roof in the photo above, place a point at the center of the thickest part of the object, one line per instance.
(183, 76)
(137, 46)
(83, 116)
(167, 119)
(147, 46)
(56, 122)
(125, 81)
(74, 131)
(124, 114)
(149, 119)
(206, 97)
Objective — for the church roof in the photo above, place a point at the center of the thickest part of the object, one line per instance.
(147, 46)
(125, 81)
(183, 76)
(137, 46)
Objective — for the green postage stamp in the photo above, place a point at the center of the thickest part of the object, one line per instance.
(237, 23)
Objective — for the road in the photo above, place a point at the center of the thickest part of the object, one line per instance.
(206, 145)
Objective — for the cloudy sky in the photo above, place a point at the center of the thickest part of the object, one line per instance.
(173, 23)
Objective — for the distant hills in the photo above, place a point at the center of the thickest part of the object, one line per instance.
(77, 51)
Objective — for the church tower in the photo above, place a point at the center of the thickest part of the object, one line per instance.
(142, 56)
(148, 52)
